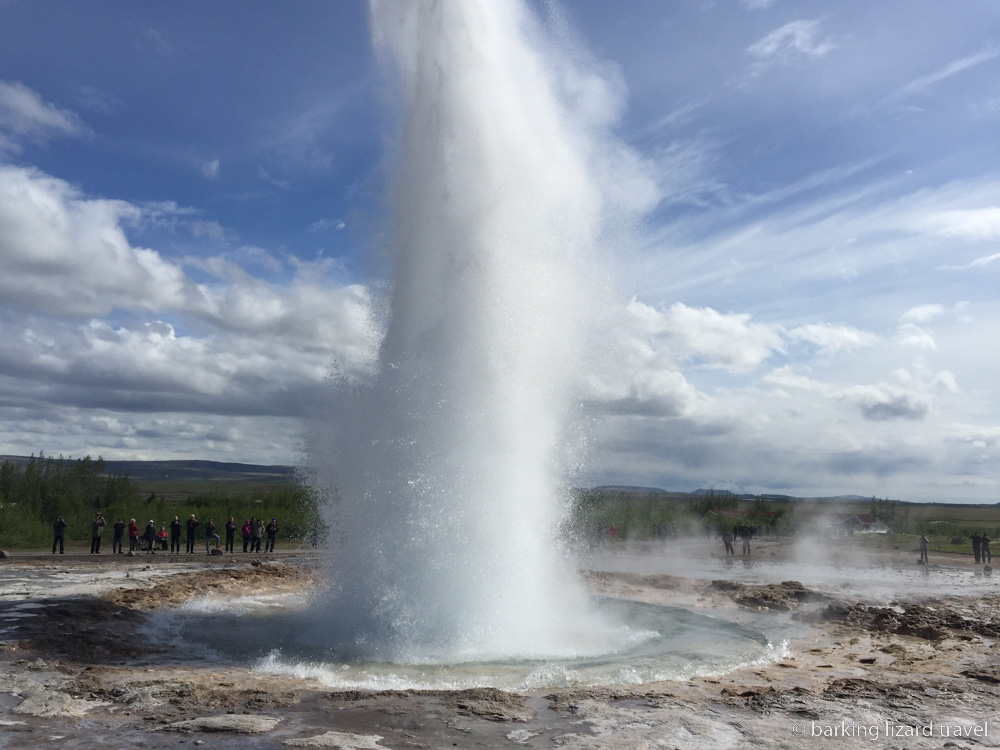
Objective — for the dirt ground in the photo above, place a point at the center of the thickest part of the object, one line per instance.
(869, 666)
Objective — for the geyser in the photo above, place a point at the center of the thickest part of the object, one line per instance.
(445, 469)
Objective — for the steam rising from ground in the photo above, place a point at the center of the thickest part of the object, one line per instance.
(445, 470)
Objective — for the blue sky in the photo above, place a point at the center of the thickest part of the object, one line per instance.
(188, 192)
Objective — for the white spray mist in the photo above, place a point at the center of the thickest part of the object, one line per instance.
(447, 469)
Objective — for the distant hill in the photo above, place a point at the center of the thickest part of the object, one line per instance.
(771, 498)
(636, 490)
(787, 498)
(205, 471)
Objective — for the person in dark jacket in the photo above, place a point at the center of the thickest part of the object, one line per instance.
(230, 534)
(272, 533)
(209, 536)
(977, 542)
(175, 535)
(150, 535)
(727, 539)
(96, 532)
(58, 535)
(746, 535)
(192, 524)
(116, 541)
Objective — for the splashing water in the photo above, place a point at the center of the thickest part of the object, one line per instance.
(445, 469)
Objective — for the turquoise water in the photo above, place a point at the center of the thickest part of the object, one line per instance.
(655, 643)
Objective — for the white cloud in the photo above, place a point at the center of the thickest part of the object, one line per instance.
(253, 255)
(210, 169)
(211, 229)
(24, 115)
(708, 337)
(684, 173)
(946, 381)
(922, 313)
(786, 377)
(833, 338)
(949, 70)
(323, 224)
(798, 40)
(971, 224)
(65, 253)
(909, 334)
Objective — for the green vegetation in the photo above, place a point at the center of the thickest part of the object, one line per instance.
(36, 490)
(636, 514)
(34, 494)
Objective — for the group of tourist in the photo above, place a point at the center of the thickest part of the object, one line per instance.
(255, 533)
(742, 531)
(981, 547)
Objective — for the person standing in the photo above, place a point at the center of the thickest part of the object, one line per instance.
(272, 534)
(116, 540)
(977, 542)
(209, 536)
(230, 534)
(150, 535)
(192, 524)
(258, 536)
(923, 549)
(175, 535)
(96, 532)
(984, 547)
(247, 533)
(133, 536)
(58, 535)
(746, 536)
(727, 539)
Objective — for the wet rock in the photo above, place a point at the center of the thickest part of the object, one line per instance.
(779, 597)
(142, 696)
(487, 703)
(913, 620)
(989, 676)
(492, 704)
(255, 701)
(231, 723)
(43, 700)
(859, 687)
(340, 741)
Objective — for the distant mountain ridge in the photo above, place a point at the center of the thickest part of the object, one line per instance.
(205, 471)
(770, 497)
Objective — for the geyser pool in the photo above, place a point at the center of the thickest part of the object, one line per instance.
(662, 643)
(444, 468)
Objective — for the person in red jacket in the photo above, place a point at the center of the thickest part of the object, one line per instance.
(133, 536)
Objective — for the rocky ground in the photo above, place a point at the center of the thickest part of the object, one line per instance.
(920, 670)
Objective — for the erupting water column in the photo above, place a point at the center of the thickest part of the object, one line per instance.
(448, 466)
